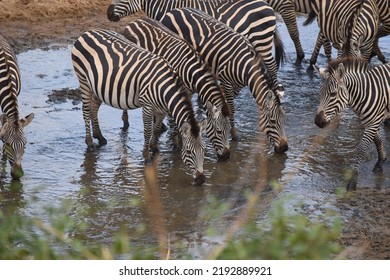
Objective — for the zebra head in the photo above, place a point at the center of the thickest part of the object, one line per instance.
(122, 8)
(218, 130)
(193, 150)
(333, 94)
(14, 142)
(272, 122)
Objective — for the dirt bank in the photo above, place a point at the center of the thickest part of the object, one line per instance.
(30, 24)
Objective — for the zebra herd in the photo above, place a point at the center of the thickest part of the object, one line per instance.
(215, 48)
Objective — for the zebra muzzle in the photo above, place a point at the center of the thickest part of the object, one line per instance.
(199, 178)
(16, 172)
(320, 120)
(225, 155)
(282, 147)
(111, 15)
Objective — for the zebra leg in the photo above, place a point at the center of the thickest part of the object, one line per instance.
(147, 118)
(86, 107)
(230, 101)
(328, 50)
(97, 134)
(125, 119)
(290, 20)
(381, 153)
(158, 119)
(175, 134)
(316, 51)
(368, 135)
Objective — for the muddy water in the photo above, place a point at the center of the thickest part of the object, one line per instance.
(108, 185)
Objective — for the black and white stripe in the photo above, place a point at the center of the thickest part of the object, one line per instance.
(153, 36)
(254, 19)
(353, 22)
(234, 61)
(349, 83)
(11, 132)
(113, 70)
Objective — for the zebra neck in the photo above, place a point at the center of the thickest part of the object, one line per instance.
(366, 87)
(258, 85)
(179, 107)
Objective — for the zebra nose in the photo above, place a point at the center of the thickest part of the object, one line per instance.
(225, 155)
(17, 172)
(282, 147)
(320, 119)
(199, 178)
(111, 15)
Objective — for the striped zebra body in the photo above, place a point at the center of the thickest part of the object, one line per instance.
(384, 16)
(113, 70)
(11, 132)
(349, 83)
(255, 19)
(234, 61)
(341, 21)
(153, 36)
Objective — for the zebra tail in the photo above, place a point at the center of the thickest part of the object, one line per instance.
(280, 55)
(310, 18)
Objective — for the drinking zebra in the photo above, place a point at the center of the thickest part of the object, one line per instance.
(234, 61)
(153, 36)
(11, 132)
(337, 18)
(254, 19)
(349, 83)
(113, 70)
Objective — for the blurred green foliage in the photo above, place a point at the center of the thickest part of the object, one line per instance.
(283, 236)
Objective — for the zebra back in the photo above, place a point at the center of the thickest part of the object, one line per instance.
(252, 18)
(194, 73)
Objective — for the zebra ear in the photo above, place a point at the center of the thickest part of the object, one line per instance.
(214, 110)
(340, 71)
(323, 72)
(26, 120)
(186, 129)
(4, 124)
(3, 119)
(203, 125)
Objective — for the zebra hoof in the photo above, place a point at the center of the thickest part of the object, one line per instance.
(102, 141)
(126, 126)
(351, 186)
(378, 166)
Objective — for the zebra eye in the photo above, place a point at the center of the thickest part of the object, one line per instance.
(333, 93)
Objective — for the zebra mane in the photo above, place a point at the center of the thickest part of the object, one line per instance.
(350, 64)
(195, 130)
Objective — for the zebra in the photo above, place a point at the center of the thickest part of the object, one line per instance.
(153, 36)
(254, 19)
(336, 18)
(11, 131)
(113, 70)
(234, 61)
(350, 83)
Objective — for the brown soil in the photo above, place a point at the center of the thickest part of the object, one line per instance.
(30, 24)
